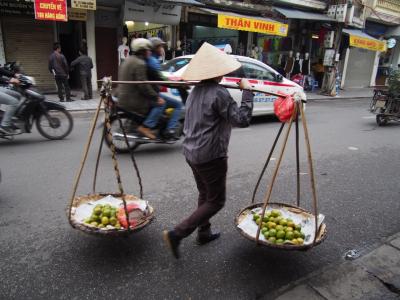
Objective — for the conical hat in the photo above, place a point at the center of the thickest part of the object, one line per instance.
(210, 62)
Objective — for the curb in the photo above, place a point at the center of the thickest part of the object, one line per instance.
(303, 281)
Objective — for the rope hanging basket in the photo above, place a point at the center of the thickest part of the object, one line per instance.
(134, 213)
(268, 223)
(248, 211)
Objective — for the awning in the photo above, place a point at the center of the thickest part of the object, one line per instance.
(229, 20)
(185, 2)
(393, 31)
(302, 15)
(362, 40)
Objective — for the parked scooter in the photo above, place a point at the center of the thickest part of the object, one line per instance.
(130, 122)
(52, 120)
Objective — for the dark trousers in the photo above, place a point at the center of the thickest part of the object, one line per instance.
(211, 182)
(63, 86)
(86, 82)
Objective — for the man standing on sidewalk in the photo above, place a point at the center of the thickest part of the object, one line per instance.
(210, 114)
(58, 66)
(85, 65)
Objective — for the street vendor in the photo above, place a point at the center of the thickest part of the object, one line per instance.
(210, 114)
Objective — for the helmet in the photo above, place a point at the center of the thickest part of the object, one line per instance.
(140, 44)
(156, 42)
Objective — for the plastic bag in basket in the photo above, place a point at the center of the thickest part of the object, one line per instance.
(135, 215)
(284, 107)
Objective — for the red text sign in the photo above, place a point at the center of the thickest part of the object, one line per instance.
(51, 10)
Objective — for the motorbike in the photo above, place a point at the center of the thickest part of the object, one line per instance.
(130, 121)
(52, 120)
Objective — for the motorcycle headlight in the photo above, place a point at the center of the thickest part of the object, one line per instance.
(32, 80)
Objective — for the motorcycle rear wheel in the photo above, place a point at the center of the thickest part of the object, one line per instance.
(59, 127)
(120, 145)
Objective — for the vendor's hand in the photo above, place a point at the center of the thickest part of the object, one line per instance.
(244, 84)
(160, 101)
(14, 81)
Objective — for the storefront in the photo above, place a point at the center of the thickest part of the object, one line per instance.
(161, 21)
(222, 27)
(30, 48)
(361, 54)
(302, 51)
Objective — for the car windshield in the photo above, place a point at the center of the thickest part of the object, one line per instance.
(175, 65)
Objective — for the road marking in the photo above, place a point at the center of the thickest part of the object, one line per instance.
(352, 148)
(272, 159)
(369, 117)
(303, 173)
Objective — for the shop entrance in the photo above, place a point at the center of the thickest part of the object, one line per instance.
(70, 38)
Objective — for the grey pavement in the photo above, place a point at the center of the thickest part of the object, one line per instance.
(375, 275)
(88, 105)
(42, 257)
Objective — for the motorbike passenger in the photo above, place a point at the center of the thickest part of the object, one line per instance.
(10, 98)
(153, 63)
(142, 98)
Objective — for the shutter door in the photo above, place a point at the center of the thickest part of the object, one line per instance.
(359, 68)
(30, 43)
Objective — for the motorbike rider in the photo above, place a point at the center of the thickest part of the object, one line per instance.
(153, 63)
(10, 98)
(142, 98)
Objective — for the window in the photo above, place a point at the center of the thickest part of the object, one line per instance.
(237, 74)
(253, 71)
(175, 65)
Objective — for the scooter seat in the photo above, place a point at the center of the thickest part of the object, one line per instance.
(134, 116)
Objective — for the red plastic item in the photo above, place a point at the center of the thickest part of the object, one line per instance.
(284, 107)
(134, 214)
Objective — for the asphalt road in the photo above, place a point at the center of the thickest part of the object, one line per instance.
(42, 257)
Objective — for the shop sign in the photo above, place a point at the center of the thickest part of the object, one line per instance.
(159, 13)
(77, 14)
(84, 4)
(16, 7)
(368, 44)
(253, 25)
(51, 10)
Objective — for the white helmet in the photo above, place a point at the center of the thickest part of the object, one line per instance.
(140, 44)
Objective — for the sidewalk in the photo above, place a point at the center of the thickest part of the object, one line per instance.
(88, 105)
(375, 275)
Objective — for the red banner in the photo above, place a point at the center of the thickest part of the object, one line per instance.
(51, 10)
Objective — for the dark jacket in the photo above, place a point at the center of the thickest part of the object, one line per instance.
(210, 114)
(137, 98)
(85, 65)
(58, 64)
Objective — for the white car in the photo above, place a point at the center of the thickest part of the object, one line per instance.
(260, 75)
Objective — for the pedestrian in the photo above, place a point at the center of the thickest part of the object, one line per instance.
(210, 114)
(85, 65)
(58, 66)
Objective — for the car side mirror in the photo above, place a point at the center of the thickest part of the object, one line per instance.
(279, 77)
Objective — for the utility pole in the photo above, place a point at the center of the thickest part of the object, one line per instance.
(328, 86)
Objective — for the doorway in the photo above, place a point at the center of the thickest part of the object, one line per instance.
(106, 52)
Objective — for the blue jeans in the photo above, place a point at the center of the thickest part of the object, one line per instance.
(157, 111)
(11, 99)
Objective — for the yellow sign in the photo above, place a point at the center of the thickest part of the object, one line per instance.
(253, 25)
(84, 4)
(366, 43)
(77, 14)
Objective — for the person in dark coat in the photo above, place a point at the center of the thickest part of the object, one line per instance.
(58, 66)
(85, 66)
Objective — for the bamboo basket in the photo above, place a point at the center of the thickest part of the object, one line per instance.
(87, 228)
(321, 234)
